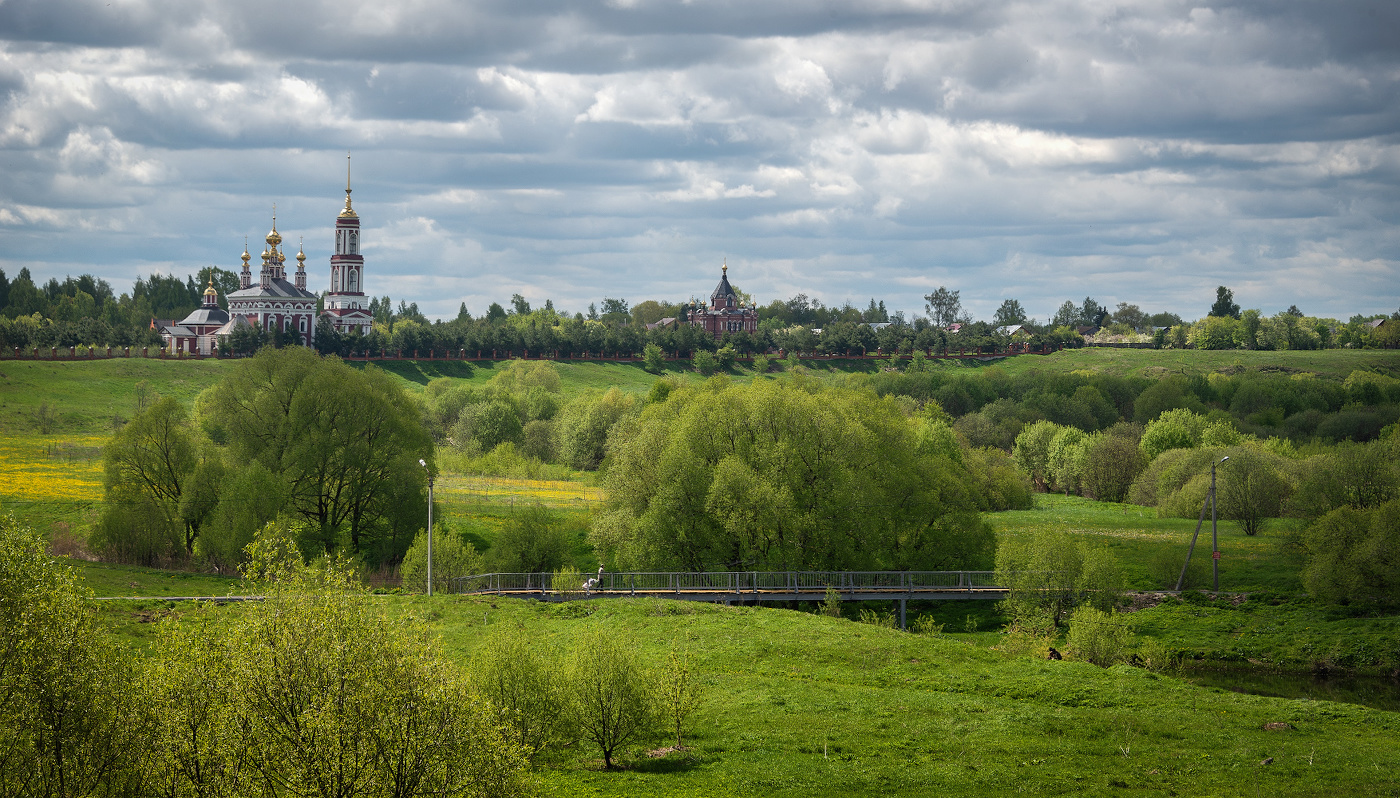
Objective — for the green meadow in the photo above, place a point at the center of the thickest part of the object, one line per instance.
(798, 704)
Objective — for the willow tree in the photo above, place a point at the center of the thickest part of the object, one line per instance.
(346, 444)
(787, 475)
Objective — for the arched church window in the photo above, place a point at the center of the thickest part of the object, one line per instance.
(354, 281)
(354, 242)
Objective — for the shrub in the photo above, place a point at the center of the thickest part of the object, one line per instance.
(533, 541)
(1099, 637)
(452, 558)
(653, 359)
(704, 362)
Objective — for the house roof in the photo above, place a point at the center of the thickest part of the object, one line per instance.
(207, 315)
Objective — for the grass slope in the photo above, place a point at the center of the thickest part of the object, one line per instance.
(1152, 549)
(801, 705)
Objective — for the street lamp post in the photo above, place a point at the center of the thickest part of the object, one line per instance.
(430, 524)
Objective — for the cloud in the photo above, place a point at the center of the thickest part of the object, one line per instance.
(1143, 152)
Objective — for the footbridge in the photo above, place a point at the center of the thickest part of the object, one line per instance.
(742, 587)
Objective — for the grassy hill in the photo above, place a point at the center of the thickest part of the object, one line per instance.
(802, 705)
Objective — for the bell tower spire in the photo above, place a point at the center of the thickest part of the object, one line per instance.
(345, 303)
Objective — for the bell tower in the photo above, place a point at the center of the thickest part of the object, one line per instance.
(347, 264)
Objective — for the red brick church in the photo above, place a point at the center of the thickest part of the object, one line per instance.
(726, 313)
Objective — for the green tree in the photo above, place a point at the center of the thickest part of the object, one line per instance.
(488, 425)
(943, 306)
(452, 558)
(1224, 304)
(705, 362)
(252, 497)
(522, 681)
(1010, 312)
(314, 691)
(1111, 464)
(585, 424)
(1353, 556)
(785, 474)
(346, 444)
(611, 698)
(653, 358)
(152, 474)
(1251, 489)
(71, 725)
(1049, 573)
(679, 689)
(1032, 452)
(534, 540)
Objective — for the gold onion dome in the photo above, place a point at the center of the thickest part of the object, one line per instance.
(210, 290)
(274, 238)
(301, 257)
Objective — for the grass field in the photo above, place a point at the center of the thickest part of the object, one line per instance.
(797, 704)
(1152, 549)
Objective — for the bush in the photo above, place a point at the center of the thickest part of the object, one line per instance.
(452, 558)
(533, 541)
(653, 359)
(520, 678)
(760, 364)
(1099, 637)
(705, 362)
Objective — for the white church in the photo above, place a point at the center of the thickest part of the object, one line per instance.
(275, 303)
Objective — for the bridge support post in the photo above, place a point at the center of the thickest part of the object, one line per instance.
(903, 627)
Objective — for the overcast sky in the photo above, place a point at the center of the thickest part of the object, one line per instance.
(1131, 151)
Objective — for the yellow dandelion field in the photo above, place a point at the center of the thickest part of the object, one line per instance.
(51, 468)
(551, 493)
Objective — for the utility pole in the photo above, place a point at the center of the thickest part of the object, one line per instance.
(1214, 537)
(1215, 542)
(430, 524)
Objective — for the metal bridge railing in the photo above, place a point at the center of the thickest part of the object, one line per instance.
(654, 582)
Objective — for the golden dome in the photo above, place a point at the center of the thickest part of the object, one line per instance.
(210, 290)
(274, 238)
(301, 257)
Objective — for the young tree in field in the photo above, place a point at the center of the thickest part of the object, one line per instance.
(524, 689)
(610, 696)
(679, 689)
(944, 307)
(1251, 490)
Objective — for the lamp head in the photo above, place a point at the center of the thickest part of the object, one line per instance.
(423, 463)
(1226, 457)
